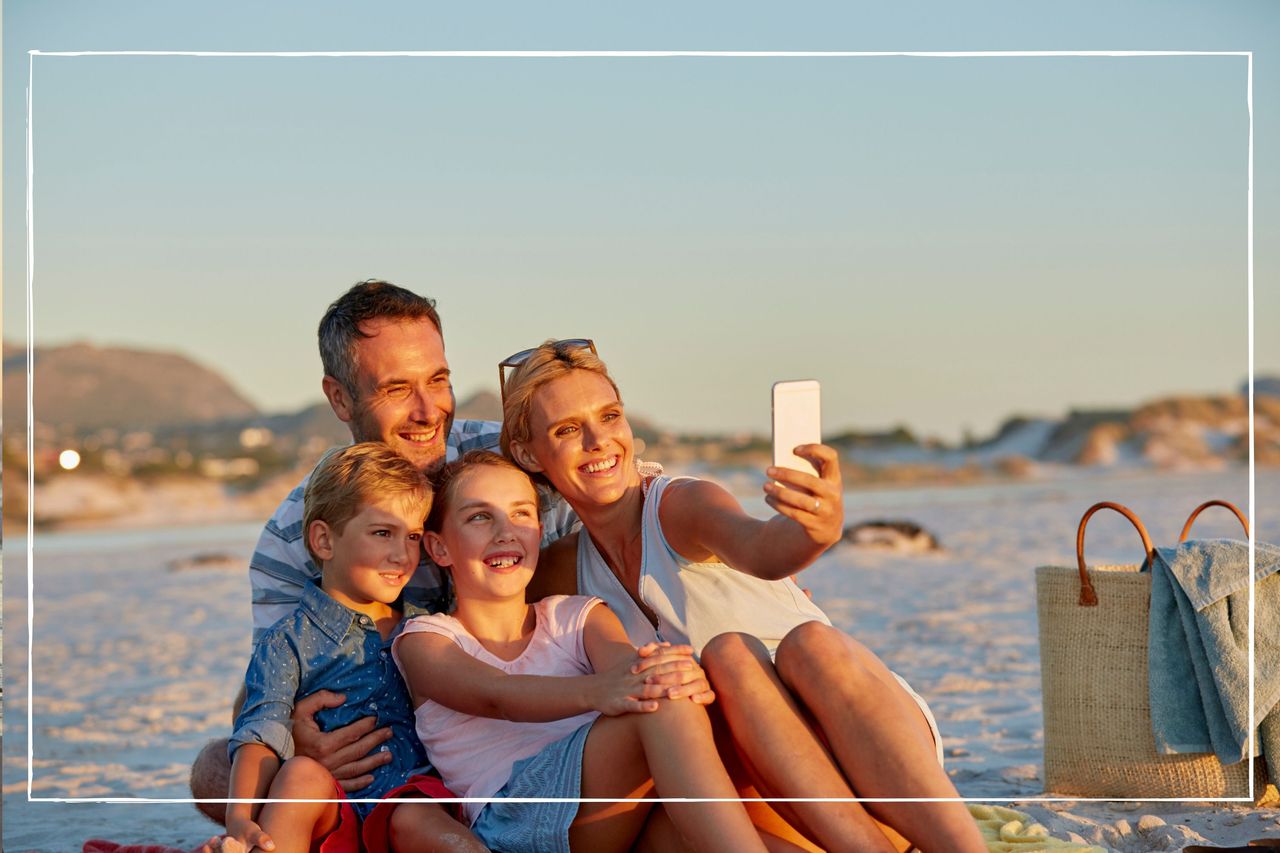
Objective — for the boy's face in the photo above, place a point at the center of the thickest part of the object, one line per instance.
(490, 534)
(374, 555)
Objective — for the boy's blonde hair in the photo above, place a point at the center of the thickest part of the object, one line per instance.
(445, 481)
(349, 478)
(548, 362)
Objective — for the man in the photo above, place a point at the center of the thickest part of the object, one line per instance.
(387, 378)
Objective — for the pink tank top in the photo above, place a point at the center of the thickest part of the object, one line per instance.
(473, 754)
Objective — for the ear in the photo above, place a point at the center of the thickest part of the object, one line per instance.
(524, 457)
(339, 400)
(435, 548)
(320, 538)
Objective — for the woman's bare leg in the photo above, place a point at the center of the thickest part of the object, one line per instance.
(781, 753)
(878, 734)
(778, 826)
(659, 834)
(675, 744)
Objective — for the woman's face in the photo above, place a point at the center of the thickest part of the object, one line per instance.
(580, 439)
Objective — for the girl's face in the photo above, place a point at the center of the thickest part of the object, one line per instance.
(580, 439)
(489, 534)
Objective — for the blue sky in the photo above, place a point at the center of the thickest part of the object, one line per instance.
(942, 242)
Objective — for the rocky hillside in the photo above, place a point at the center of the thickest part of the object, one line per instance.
(1172, 433)
(82, 387)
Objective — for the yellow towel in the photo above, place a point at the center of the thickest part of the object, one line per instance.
(1009, 831)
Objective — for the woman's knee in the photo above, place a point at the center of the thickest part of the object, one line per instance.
(816, 652)
(729, 655)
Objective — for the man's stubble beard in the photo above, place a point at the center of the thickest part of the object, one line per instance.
(365, 428)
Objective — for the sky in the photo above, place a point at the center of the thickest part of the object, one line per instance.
(942, 242)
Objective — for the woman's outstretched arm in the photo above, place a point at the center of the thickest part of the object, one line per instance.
(702, 521)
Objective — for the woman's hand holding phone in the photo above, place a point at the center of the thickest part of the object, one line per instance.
(804, 482)
(816, 503)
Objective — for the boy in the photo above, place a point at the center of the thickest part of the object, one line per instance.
(363, 518)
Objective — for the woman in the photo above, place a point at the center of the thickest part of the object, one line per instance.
(812, 712)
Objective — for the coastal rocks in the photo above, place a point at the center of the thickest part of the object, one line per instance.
(899, 536)
(1102, 445)
(207, 560)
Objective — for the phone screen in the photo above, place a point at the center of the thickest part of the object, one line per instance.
(797, 419)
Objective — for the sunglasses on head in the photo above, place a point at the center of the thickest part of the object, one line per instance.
(516, 359)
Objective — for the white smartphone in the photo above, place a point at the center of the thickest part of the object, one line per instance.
(797, 419)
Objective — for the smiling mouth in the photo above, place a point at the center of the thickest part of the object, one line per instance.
(420, 436)
(393, 577)
(503, 561)
(599, 466)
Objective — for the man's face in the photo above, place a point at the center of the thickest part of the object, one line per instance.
(403, 394)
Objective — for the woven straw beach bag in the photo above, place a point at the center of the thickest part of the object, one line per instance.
(1093, 669)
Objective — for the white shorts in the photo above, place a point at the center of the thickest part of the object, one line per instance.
(928, 715)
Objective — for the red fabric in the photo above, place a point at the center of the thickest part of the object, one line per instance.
(345, 837)
(377, 826)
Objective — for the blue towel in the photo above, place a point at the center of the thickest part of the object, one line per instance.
(1198, 654)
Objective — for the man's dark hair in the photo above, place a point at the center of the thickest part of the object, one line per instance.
(371, 299)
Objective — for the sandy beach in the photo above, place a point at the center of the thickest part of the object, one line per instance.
(136, 662)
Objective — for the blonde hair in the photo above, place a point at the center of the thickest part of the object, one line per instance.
(349, 478)
(548, 362)
(445, 482)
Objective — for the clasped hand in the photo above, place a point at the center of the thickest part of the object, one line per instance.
(658, 671)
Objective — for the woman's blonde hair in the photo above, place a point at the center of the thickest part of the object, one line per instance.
(546, 363)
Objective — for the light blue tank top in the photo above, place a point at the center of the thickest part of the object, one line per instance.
(693, 601)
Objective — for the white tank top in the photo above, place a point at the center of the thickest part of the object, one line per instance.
(693, 601)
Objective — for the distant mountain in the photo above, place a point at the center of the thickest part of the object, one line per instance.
(480, 406)
(81, 388)
(84, 387)
(318, 421)
(1268, 385)
(1173, 433)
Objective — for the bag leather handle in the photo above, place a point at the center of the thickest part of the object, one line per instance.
(1088, 597)
(1186, 528)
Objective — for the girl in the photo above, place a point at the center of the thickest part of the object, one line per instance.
(495, 727)
(812, 712)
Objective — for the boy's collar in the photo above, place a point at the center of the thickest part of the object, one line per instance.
(335, 619)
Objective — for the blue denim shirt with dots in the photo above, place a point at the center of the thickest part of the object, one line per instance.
(324, 645)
